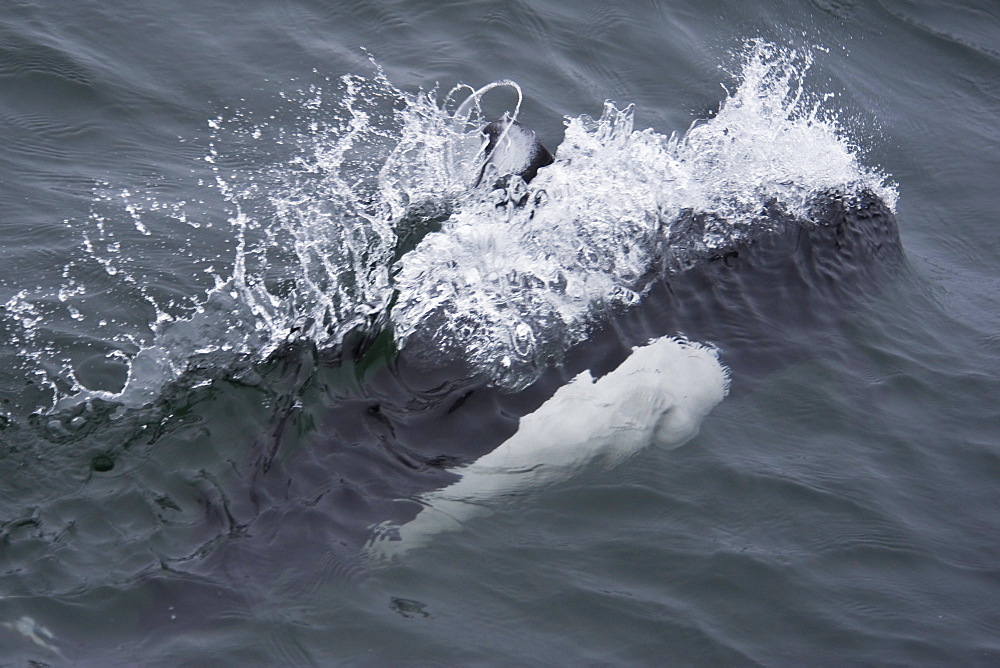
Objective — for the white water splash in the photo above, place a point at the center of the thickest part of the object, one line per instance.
(511, 289)
(316, 234)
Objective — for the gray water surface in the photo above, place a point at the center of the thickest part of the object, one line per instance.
(839, 506)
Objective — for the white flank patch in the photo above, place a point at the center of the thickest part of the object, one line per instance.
(660, 395)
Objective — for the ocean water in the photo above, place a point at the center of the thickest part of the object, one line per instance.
(282, 386)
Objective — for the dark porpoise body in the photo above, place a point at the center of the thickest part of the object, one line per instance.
(290, 516)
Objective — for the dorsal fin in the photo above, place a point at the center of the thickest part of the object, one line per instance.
(512, 149)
